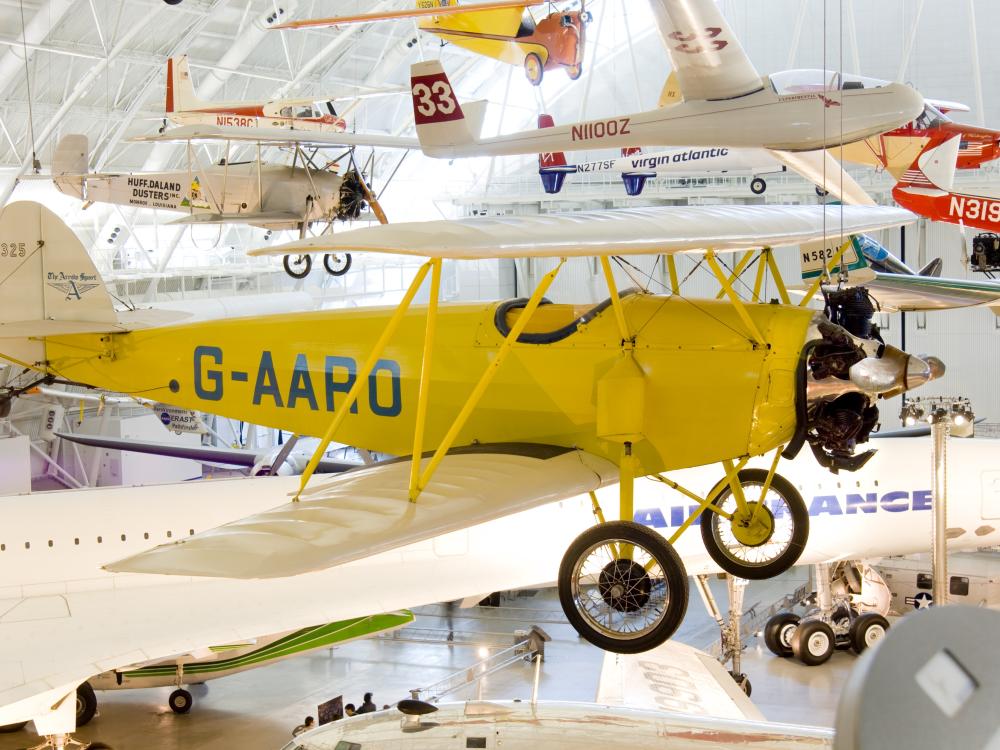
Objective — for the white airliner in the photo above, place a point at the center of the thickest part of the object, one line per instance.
(63, 619)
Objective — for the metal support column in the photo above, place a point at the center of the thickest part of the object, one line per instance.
(940, 428)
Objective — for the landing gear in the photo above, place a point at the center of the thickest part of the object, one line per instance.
(86, 704)
(730, 629)
(758, 186)
(766, 537)
(575, 71)
(180, 701)
(623, 587)
(867, 630)
(337, 264)
(778, 633)
(813, 643)
(297, 266)
(534, 69)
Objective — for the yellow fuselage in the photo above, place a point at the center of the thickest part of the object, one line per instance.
(708, 392)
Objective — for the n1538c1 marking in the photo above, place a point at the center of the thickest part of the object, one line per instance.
(602, 129)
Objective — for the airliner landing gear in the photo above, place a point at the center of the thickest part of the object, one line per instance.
(86, 704)
(65, 741)
(729, 629)
(180, 701)
(623, 587)
(758, 186)
(845, 617)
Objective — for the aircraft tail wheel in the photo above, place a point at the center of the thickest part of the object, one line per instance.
(761, 543)
(575, 71)
(337, 264)
(742, 682)
(180, 701)
(813, 643)
(778, 633)
(11, 728)
(297, 266)
(821, 192)
(623, 587)
(86, 704)
(757, 186)
(533, 68)
(867, 630)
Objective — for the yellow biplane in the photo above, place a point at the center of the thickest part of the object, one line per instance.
(505, 31)
(516, 403)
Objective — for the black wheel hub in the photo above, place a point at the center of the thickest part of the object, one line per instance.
(624, 585)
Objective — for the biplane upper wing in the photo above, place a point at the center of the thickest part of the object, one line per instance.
(632, 231)
(391, 15)
(706, 55)
(275, 137)
(367, 511)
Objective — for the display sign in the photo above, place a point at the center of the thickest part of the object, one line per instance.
(179, 420)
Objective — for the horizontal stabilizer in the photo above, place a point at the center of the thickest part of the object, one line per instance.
(368, 511)
(633, 231)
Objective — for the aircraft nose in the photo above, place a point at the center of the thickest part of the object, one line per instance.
(895, 372)
(923, 369)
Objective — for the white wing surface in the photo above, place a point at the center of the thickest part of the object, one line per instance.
(707, 56)
(826, 173)
(632, 231)
(276, 137)
(368, 511)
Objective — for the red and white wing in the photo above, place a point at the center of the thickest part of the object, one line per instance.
(707, 56)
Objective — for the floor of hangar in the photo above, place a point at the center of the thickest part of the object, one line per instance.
(259, 708)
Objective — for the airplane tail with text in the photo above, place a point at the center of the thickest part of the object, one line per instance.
(552, 167)
(441, 122)
(180, 89)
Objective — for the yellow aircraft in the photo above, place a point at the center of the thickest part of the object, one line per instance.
(504, 30)
(518, 403)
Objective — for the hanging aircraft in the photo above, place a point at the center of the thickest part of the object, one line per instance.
(549, 447)
(506, 31)
(269, 196)
(724, 101)
(65, 613)
(183, 107)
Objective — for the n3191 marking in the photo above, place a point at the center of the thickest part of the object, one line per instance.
(974, 209)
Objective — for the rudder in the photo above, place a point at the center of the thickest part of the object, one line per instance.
(180, 89)
(70, 164)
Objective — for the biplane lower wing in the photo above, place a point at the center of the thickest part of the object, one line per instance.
(633, 231)
(367, 511)
(275, 137)
(261, 217)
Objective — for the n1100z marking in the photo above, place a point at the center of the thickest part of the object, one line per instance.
(822, 505)
(602, 129)
(305, 388)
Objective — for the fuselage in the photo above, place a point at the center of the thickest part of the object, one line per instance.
(294, 371)
(688, 161)
(279, 115)
(975, 211)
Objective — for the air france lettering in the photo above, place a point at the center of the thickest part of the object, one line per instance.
(974, 209)
(305, 387)
(602, 129)
(852, 503)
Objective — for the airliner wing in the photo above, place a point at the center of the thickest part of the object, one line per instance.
(368, 510)
(633, 231)
(707, 56)
(275, 137)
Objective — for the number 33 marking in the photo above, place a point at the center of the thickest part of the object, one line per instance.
(434, 99)
(708, 35)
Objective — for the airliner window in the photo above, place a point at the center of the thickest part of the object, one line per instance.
(959, 586)
(925, 581)
(475, 742)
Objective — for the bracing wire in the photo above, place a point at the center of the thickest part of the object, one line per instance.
(27, 82)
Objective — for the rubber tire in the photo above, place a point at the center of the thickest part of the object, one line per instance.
(673, 568)
(86, 704)
(772, 633)
(307, 265)
(541, 69)
(758, 186)
(180, 701)
(861, 626)
(821, 192)
(800, 529)
(800, 641)
(11, 728)
(338, 272)
(574, 71)
(742, 682)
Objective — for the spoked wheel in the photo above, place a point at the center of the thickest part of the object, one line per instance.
(337, 264)
(297, 266)
(623, 587)
(764, 541)
(533, 68)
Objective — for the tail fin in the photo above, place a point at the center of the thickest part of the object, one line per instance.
(934, 166)
(70, 165)
(631, 151)
(54, 287)
(439, 118)
(932, 269)
(634, 181)
(180, 89)
(552, 167)
(815, 256)
(671, 93)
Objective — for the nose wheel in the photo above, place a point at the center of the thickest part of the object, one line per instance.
(623, 587)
